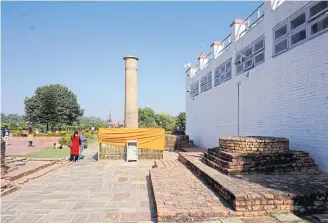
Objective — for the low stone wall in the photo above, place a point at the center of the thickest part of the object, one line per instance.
(253, 144)
(111, 152)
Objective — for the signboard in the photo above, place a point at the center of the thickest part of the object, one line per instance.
(131, 151)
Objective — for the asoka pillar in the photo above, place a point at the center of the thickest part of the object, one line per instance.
(131, 92)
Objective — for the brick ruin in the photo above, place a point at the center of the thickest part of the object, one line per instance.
(243, 155)
(247, 176)
(175, 142)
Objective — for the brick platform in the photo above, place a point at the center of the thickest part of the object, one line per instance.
(254, 144)
(258, 154)
(264, 193)
(295, 162)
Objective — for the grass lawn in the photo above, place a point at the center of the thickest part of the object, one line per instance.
(50, 153)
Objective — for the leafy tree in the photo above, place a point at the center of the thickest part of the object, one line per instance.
(88, 122)
(181, 121)
(165, 121)
(146, 118)
(53, 105)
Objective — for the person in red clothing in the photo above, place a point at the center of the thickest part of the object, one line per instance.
(75, 146)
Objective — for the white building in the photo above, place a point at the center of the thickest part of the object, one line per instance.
(269, 77)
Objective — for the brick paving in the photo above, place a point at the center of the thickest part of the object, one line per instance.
(181, 197)
(18, 145)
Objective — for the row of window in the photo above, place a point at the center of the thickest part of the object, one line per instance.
(250, 56)
(206, 82)
(301, 26)
(223, 73)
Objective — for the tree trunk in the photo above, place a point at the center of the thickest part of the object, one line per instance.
(47, 127)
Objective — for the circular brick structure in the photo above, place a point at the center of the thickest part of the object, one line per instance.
(253, 144)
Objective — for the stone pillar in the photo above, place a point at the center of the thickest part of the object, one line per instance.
(131, 92)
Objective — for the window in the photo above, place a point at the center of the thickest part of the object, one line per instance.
(281, 47)
(280, 32)
(298, 37)
(298, 33)
(318, 8)
(255, 49)
(249, 52)
(248, 64)
(194, 89)
(259, 58)
(228, 75)
(259, 46)
(223, 72)
(319, 25)
(309, 22)
(228, 65)
(281, 39)
(298, 21)
(206, 82)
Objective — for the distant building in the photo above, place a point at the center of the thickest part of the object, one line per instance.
(115, 124)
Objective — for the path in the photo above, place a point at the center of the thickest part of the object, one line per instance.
(92, 192)
(85, 192)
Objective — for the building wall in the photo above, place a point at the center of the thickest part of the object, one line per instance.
(285, 96)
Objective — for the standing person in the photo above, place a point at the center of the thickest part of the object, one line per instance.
(83, 142)
(75, 146)
(30, 137)
(5, 134)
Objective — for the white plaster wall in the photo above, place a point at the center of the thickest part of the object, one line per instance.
(285, 96)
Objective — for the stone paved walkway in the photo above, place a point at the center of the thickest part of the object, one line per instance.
(85, 192)
(90, 191)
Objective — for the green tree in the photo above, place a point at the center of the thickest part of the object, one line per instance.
(53, 105)
(88, 122)
(165, 121)
(181, 121)
(146, 118)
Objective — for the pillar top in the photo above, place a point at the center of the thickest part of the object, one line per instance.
(130, 57)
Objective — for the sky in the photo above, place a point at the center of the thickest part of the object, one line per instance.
(82, 44)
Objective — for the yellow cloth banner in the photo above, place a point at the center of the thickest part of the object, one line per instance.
(147, 138)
